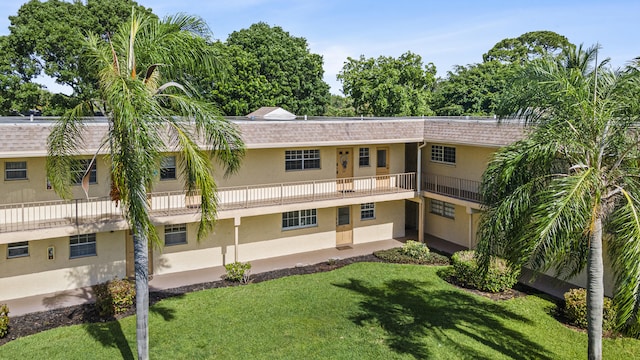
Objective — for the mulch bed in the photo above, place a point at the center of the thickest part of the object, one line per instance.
(33, 323)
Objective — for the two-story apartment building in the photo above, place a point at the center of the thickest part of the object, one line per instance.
(304, 185)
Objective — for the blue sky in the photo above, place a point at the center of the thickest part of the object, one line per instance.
(446, 33)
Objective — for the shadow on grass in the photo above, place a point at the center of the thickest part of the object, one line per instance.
(409, 313)
(110, 333)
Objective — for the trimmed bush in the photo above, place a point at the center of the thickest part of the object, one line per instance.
(114, 297)
(575, 309)
(499, 277)
(4, 320)
(397, 255)
(238, 272)
(415, 249)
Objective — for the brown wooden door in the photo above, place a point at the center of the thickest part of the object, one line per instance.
(344, 226)
(130, 261)
(344, 169)
(382, 168)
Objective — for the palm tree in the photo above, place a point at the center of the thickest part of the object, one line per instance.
(149, 115)
(552, 198)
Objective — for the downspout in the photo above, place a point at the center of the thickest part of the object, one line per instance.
(420, 197)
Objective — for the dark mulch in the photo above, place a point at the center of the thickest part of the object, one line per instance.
(29, 324)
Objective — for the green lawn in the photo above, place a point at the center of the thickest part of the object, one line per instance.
(362, 311)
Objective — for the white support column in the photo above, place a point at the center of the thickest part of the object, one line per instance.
(236, 224)
(470, 212)
(421, 219)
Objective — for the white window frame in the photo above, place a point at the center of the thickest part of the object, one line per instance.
(20, 249)
(82, 242)
(299, 219)
(177, 234)
(367, 211)
(80, 167)
(168, 168)
(308, 159)
(17, 173)
(443, 154)
(442, 208)
(364, 157)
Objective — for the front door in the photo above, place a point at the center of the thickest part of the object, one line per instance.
(130, 261)
(344, 169)
(382, 168)
(344, 227)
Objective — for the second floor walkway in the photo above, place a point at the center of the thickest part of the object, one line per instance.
(51, 214)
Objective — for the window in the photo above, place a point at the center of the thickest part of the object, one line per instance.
(18, 249)
(82, 245)
(299, 219)
(168, 168)
(80, 167)
(443, 209)
(367, 211)
(175, 234)
(443, 154)
(15, 170)
(364, 157)
(301, 159)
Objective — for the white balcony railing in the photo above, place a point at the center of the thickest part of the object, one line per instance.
(451, 186)
(50, 214)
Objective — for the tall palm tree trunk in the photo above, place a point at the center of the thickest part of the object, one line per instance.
(595, 291)
(141, 263)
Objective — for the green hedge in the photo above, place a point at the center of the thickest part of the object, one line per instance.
(575, 310)
(499, 277)
(4, 320)
(397, 255)
(238, 272)
(114, 297)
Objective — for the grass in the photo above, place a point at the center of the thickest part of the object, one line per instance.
(362, 311)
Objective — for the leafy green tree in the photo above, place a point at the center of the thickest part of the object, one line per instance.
(149, 112)
(387, 86)
(551, 199)
(47, 38)
(271, 68)
(527, 47)
(472, 89)
(340, 106)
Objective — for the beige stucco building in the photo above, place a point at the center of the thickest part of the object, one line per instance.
(304, 185)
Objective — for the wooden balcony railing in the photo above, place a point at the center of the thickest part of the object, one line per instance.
(50, 214)
(451, 186)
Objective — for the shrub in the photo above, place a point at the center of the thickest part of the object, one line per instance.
(114, 297)
(575, 309)
(4, 320)
(499, 277)
(416, 250)
(237, 271)
(397, 255)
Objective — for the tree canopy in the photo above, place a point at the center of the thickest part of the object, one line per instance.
(527, 47)
(389, 86)
(472, 89)
(46, 38)
(270, 67)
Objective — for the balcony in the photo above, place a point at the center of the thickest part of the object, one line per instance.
(463, 189)
(51, 214)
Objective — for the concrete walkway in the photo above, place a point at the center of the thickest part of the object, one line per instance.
(61, 299)
(21, 306)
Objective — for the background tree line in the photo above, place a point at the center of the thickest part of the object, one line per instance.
(261, 66)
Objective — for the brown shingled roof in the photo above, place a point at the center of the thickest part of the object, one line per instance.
(30, 139)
